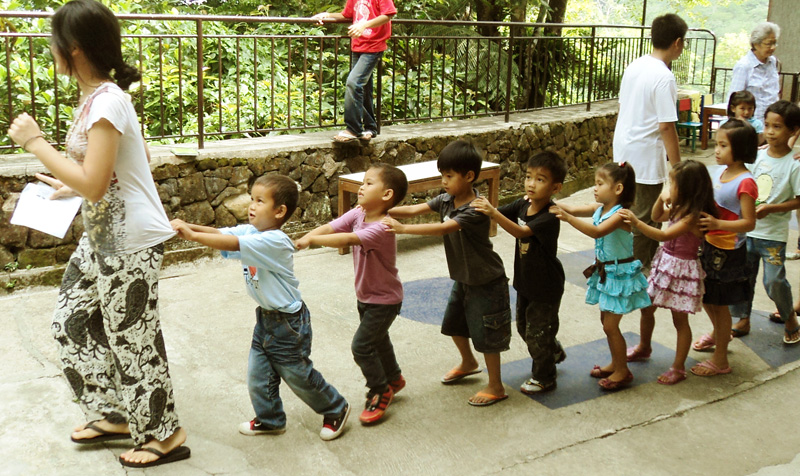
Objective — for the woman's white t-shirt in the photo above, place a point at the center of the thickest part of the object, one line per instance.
(130, 216)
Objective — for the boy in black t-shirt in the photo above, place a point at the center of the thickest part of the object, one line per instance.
(478, 272)
(538, 274)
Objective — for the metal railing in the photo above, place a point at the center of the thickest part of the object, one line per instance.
(790, 84)
(274, 75)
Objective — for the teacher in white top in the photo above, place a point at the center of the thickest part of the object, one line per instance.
(757, 71)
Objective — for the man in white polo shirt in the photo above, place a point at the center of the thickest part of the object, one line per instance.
(646, 138)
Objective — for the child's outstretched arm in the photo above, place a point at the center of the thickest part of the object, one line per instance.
(588, 229)
(742, 225)
(205, 235)
(408, 211)
(517, 231)
(326, 236)
(673, 231)
(435, 229)
(577, 210)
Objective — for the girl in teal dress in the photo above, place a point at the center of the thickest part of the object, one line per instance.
(616, 281)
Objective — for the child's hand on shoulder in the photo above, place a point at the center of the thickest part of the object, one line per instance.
(629, 217)
(707, 222)
(483, 206)
(559, 213)
(391, 225)
(665, 197)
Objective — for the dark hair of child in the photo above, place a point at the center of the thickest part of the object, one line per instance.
(283, 190)
(551, 162)
(743, 139)
(621, 173)
(460, 156)
(92, 27)
(393, 179)
(788, 111)
(666, 29)
(740, 97)
(695, 191)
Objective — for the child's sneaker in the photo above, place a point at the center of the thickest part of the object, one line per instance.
(398, 384)
(532, 386)
(376, 406)
(332, 427)
(254, 427)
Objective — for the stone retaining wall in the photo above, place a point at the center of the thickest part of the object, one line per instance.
(212, 189)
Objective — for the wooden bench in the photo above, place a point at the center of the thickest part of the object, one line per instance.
(421, 177)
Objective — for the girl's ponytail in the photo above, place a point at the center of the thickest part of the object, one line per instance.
(125, 74)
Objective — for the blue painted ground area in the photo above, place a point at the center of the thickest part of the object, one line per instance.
(574, 383)
(766, 340)
(425, 301)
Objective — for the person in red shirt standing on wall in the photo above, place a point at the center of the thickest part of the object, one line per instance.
(370, 29)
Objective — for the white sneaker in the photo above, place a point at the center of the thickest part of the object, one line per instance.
(532, 386)
(793, 255)
(254, 428)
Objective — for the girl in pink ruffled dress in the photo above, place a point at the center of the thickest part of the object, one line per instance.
(676, 275)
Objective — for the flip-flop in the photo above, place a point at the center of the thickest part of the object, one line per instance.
(738, 332)
(672, 376)
(177, 454)
(775, 317)
(102, 437)
(634, 355)
(597, 372)
(344, 137)
(787, 336)
(612, 385)
(709, 365)
(366, 136)
(706, 343)
(492, 399)
(456, 375)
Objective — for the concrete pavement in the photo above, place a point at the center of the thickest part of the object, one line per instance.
(739, 424)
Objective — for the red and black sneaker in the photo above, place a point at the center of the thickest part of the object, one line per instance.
(332, 426)
(397, 384)
(376, 406)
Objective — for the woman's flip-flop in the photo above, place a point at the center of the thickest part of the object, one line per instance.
(102, 437)
(177, 454)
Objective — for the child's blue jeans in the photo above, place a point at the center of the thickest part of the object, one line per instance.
(359, 114)
(280, 349)
(773, 255)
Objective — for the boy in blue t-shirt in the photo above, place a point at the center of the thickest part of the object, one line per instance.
(538, 274)
(478, 307)
(281, 341)
(778, 177)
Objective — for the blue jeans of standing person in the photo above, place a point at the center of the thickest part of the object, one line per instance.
(773, 255)
(280, 349)
(372, 349)
(359, 115)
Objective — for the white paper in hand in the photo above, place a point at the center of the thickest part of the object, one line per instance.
(36, 210)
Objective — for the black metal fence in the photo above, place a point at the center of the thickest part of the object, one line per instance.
(790, 84)
(201, 81)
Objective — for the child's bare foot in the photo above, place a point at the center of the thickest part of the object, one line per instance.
(488, 396)
(144, 457)
(100, 430)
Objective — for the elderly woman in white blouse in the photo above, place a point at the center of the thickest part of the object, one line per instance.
(757, 71)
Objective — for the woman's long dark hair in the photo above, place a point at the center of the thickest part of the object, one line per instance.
(695, 191)
(90, 26)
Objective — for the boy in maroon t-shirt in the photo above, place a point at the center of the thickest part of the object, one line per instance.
(370, 29)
